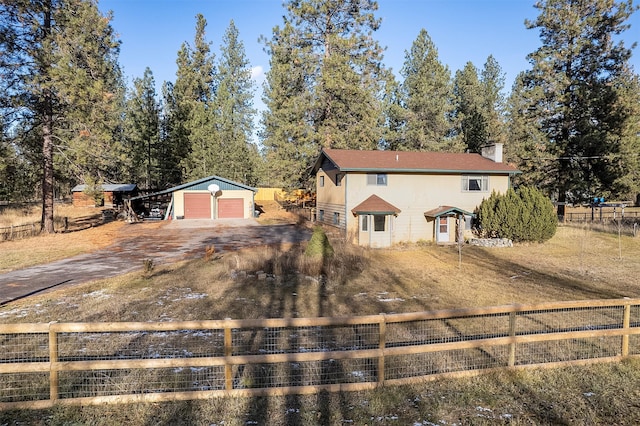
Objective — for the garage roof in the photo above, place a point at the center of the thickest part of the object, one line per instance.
(202, 184)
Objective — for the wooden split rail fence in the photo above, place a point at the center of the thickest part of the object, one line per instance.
(15, 232)
(92, 363)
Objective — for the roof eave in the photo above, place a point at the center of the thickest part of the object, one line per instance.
(439, 171)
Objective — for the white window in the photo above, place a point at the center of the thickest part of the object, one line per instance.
(475, 183)
(321, 181)
(365, 223)
(378, 179)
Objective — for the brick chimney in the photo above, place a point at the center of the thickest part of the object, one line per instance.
(493, 152)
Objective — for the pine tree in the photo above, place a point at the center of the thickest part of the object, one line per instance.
(626, 161)
(287, 130)
(426, 94)
(142, 130)
(492, 82)
(191, 114)
(234, 108)
(572, 90)
(470, 114)
(526, 146)
(61, 81)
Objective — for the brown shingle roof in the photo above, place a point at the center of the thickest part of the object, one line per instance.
(375, 204)
(407, 161)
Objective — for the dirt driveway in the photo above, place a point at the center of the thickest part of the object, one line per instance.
(170, 242)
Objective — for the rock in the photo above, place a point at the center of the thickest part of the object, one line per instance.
(491, 242)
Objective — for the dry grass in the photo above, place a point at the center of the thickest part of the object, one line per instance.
(576, 264)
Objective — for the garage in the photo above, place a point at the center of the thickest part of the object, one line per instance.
(211, 198)
(197, 205)
(230, 208)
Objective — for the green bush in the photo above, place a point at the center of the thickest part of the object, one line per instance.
(523, 215)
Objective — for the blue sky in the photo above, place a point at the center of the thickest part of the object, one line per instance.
(152, 31)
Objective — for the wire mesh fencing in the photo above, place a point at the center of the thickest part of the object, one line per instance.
(89, 363)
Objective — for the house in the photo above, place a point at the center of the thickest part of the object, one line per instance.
(380, 198)
(112, 194)
(212, 197)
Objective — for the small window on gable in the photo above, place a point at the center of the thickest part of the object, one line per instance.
(378, 179)
(475, 183)
(321, 183)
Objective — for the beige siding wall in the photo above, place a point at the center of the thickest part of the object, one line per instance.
(247, 196)
(331, 199)
(414, 194)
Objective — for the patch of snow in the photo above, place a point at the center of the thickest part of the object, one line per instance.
(98, 294)
(588, 394)
(396, 299)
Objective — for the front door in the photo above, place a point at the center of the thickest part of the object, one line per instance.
(443, 229)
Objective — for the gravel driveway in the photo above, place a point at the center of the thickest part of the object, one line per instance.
(174, 241)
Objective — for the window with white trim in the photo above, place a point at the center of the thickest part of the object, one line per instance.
(379, 222)
(377, 179)
(365, 223)
(475, 183)
(321, 183)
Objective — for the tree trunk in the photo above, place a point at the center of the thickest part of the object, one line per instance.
(46, 224)
(47, 176)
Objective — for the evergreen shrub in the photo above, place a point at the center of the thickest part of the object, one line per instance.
(319, 244)
(522, 215)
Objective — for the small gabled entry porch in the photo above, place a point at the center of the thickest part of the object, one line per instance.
(375, 222)
(448, 222)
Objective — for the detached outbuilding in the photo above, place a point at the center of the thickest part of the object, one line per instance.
(212, 197)
(112, 194)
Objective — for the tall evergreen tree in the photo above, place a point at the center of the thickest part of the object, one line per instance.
(190, 99)
(234, 108)
(142, 130)
(63, 83)
(527, 144)
(289, 143)
(469, 113)
(492, 80)
(348, 68)
(572, 88)
(427, 94)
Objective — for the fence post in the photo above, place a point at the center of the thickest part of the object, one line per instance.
(625, 326)
(381, 346)
(54, 383)
(228, 351)
(512, 334)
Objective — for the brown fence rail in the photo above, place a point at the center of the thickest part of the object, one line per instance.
(93, 363)
(16, 232)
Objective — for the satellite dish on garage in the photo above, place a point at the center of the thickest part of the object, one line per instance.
(213, 188)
